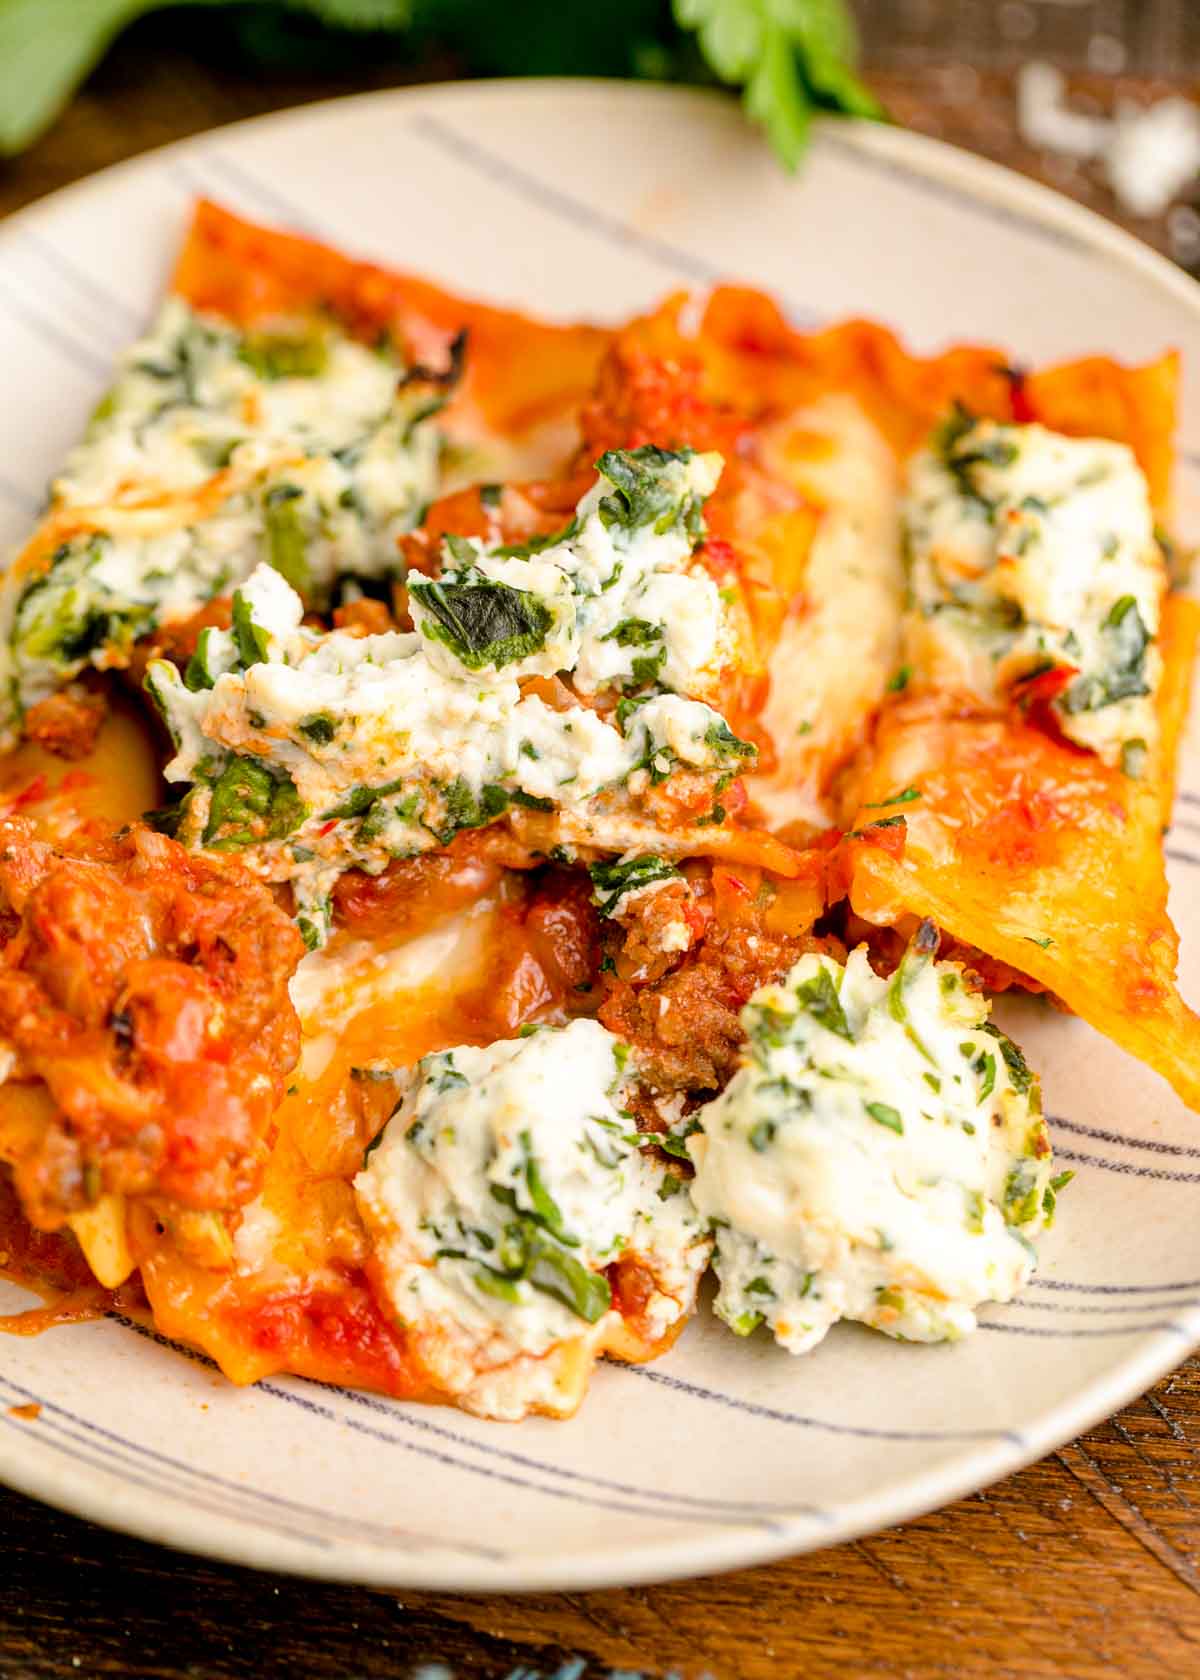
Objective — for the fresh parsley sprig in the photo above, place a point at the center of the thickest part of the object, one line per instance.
(790, 57)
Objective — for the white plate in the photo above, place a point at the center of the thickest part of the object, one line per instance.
(595, 199)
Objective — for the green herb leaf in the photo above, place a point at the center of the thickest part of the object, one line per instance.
(611, 881)
(251, 803)
(251, 640)
(886, 1115)
(790, 55)
(287, 546)
(905, 798)
(819, 997)
(481, 621)
(898, 821)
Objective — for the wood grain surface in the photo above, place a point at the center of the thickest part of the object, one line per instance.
(1086, 1565)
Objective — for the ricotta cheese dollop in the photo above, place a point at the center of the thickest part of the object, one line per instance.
(1033, 558)
(617, 598)
(508, 1178)
(879, 1156)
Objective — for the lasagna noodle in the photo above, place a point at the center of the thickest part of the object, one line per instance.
(1040, 856)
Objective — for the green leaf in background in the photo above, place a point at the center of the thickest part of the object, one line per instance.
(788, 56)
(47, 47)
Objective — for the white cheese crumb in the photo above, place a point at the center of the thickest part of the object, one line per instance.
(1153, 154)
(1149, 153)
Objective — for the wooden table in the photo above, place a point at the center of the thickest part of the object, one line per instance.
(1086, 1565)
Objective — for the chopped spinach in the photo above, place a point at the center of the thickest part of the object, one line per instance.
(360, 799)
(279, 356)
(1018, 1068)
(65, 614)
(819, 997)
(251, 803)
(544, 1208)
(319, 728)
(286, 542)
(635, 632)
(198, 672)
(529, 1254)
(611, 881)
(250, 639)
(481, 621)
(647, 491)
(721, 740)
(464, 808)
(537, 545)
(1021, 1200)
(1124, 677)
(886, 1115)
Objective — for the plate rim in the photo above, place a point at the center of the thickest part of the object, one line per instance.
(169, 1521)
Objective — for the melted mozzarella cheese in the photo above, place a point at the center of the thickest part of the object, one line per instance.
(839, 646)
(1032, 552)
(880, 1156)
(506, 1180)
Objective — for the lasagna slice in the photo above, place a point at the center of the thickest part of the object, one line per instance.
(1016, 791)
(490, 968)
